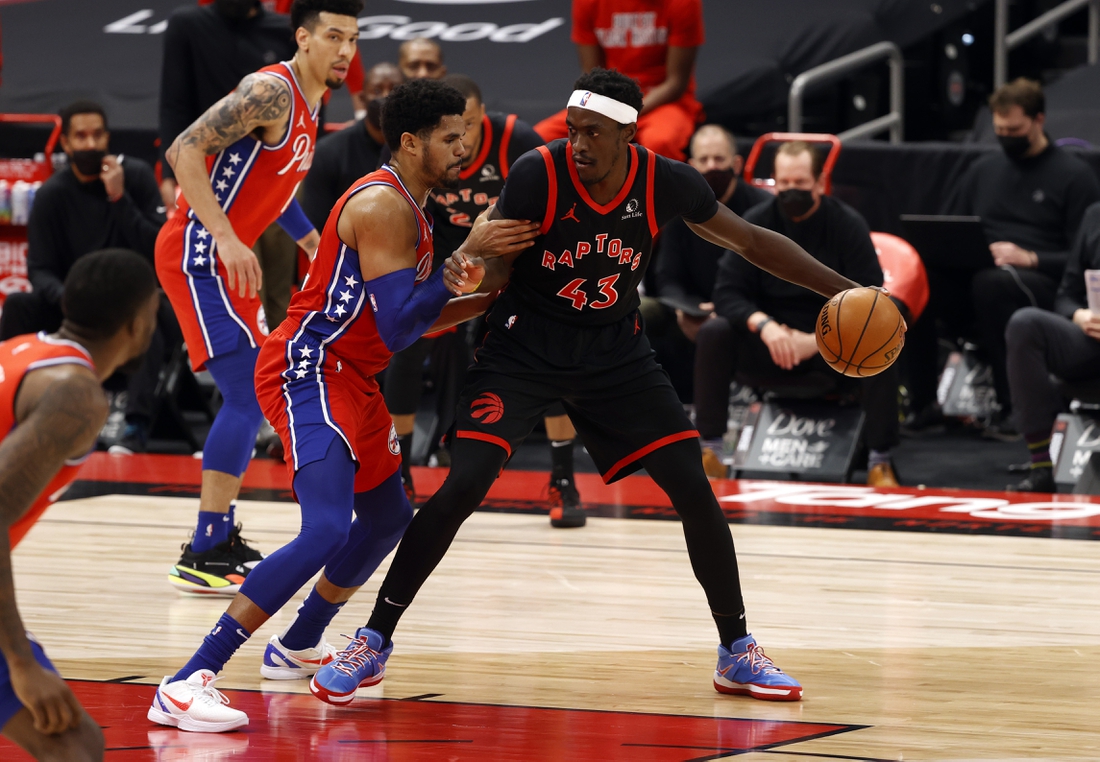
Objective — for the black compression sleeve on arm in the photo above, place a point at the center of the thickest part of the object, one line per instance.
(525, 190)
(680, 191)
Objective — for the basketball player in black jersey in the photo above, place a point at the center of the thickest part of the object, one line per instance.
(567, 328)
(493, 142)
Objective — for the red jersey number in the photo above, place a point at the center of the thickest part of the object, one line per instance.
(573, 291)
(608, 292)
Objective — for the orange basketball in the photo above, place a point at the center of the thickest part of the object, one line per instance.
(860, 332)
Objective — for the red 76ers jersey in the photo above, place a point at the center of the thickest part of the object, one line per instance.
(255, 182)
(333, 313)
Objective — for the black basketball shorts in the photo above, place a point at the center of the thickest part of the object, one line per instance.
(619, 399)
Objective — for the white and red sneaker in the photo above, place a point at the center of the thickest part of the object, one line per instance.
(280, 663)
(195, 704)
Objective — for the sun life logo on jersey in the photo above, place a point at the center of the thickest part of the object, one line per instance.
(489, 174)
(632, 210)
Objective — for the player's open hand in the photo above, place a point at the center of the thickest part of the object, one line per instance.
(495, 238)
(241, 265)
(52, 705)
(463, 274)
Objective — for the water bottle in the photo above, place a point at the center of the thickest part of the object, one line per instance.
(30, 196)
(20, 202)
(5, 203)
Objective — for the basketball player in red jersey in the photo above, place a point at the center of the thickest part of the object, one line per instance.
(238, 167)
(654, 42)
(51, 409)
(568, 328)
(370, 292)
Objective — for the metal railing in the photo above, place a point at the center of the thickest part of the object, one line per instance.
(838, 67)
(1003, 41)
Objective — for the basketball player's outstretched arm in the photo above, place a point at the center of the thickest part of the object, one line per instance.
(60, 411)
(771, 252)
(483, 263)
(260, 102)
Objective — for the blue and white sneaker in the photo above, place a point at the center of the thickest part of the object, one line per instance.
(280, 663)
(362, 663)
(745, 669)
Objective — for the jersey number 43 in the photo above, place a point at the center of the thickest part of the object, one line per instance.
(575, 293)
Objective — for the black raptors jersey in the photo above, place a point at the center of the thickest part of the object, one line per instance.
(503, 139)
(586, 265)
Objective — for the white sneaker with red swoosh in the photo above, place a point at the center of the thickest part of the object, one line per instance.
(195, 704)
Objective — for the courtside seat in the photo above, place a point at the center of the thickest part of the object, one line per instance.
(903, 272)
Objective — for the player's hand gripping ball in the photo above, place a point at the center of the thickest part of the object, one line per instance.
(860, 332)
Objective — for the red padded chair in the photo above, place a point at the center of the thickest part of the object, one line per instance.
(903, 271)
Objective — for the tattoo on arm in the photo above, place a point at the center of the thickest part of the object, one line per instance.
(258, 101)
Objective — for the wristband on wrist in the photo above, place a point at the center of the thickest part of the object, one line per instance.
(762, 323)
(478, 285)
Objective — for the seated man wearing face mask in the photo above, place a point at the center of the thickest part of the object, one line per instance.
(343, 157)
(1031, 197)
(685, 264)
(765, 326)
(100, 201)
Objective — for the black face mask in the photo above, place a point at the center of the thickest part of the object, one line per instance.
(719, 180)
(795, 202)
(1015, 146)
(235, 10)
(374, 112)
(89, 163)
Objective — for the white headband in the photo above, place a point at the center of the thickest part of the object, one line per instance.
(601, 104)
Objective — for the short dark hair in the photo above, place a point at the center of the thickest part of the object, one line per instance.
(464, 85)
(799, 147)
(306, 12)
(105, 289)
(418, 106)
(613, 84)
(80, 107)
(1022, 92)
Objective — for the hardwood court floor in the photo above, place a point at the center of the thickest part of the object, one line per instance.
(910, 645)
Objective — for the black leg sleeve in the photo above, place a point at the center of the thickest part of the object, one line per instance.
(677, 468)
(474, 467)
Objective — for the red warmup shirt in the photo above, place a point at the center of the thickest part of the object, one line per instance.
(635, 35)
(355, 77)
